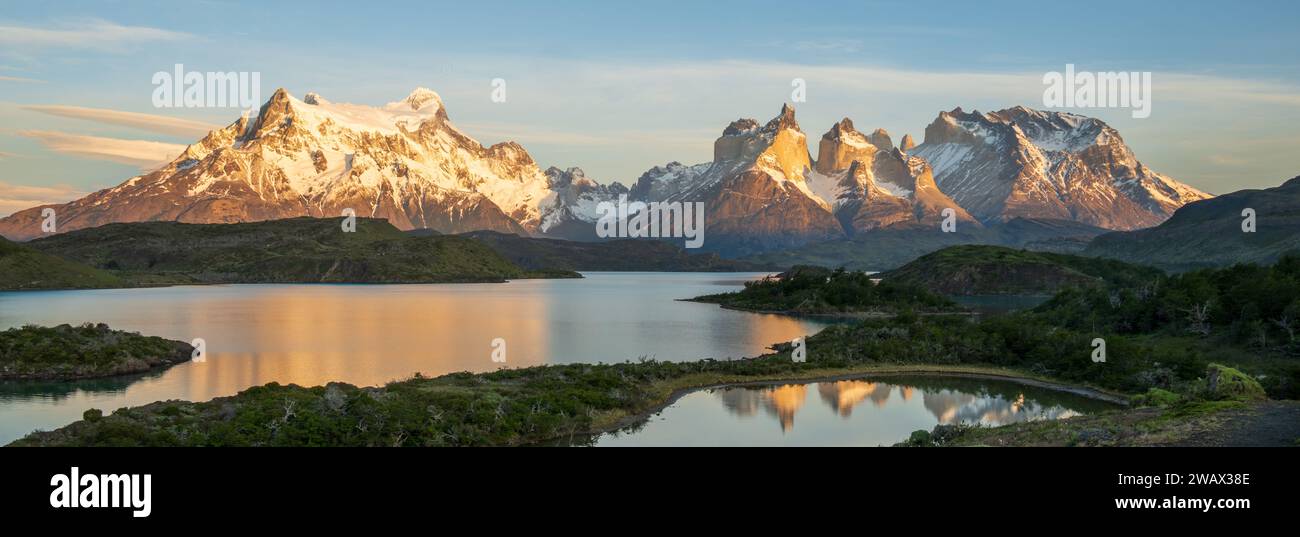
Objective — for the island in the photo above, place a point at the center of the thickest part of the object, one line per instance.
(817, 291)
(66, 352)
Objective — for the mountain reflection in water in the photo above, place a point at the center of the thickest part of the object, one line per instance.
(947, 405)
(871, 411)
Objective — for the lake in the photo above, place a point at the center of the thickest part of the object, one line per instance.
(862, 412)
(371, 334)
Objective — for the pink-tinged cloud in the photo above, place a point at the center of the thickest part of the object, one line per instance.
(149, 122)
(146, 154)
(14, 198)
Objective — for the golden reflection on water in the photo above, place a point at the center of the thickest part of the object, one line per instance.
(947, 406)
(781, 402)
(371, 334)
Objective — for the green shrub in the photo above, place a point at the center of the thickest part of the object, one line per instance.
(1155, 397)
(1224, 383)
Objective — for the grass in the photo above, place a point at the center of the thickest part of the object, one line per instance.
(23, 268)
(997, 270)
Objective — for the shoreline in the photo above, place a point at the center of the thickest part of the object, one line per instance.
(54, 378)
(579, 276)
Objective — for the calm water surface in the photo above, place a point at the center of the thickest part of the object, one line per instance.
(371, 334)
(867, 412)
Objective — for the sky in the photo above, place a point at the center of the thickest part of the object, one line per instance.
(617, 88)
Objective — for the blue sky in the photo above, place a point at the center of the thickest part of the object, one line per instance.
(617, 88)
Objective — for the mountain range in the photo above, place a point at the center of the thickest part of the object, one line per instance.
(763, 191)
(1020, 162)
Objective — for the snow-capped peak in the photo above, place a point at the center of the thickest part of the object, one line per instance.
(403, 161)
(421, 97)
(318, 115)
(1021, 162)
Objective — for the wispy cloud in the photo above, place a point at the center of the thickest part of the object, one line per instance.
(20, 79)
(829, 45)
(1211, 89)
(147, 122)
(84, 34)
(146, 154)
(959, 84)
(15, 198)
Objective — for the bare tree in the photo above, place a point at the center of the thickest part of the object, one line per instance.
(289, 409)
(1288, 324)
(1198, 318)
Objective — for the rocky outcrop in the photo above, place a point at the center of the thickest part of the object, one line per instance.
(873, 188)
(880, 139)
(755, 191)
(908, 143)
